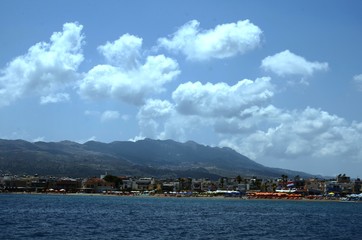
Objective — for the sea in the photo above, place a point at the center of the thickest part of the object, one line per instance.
(78, 217)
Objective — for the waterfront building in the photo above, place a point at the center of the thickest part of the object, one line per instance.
(144, 184)
(97, 185)
(68, 184)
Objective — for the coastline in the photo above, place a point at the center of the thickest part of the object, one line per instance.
(163, 196)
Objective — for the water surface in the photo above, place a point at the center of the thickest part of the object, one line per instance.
(105, 217)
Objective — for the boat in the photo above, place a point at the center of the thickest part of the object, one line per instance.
(352, 198)
(289, 190)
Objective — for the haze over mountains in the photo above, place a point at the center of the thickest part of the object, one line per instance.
(156, 158)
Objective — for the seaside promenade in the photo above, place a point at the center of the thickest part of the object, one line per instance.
(284, 188)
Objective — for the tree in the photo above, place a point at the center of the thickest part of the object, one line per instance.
(181, 181)
(274, 186)
(239, 179)
(298, 181)
(284, 179)
(113, 179)
(222, 182)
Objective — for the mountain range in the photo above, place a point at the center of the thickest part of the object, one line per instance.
(156, 158)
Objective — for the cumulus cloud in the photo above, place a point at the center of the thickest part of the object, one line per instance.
(220, 99)
(358, 81)
(287, 63)
(286, 130)
(249, 120)
(109, 116)
(125, 77)
(159, 119)
(152, 114)
(155, 108)
(55, 98)
(45, 69)
(308, 135)
(197, 107)
(263, 132)
(123, 52)
(225, 40)
(38, 139)
(82, 141)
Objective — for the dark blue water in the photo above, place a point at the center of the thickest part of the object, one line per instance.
(104, 217)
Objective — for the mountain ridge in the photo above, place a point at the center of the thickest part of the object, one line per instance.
(148, 157)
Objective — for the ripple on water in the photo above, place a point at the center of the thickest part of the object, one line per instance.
(97, 217)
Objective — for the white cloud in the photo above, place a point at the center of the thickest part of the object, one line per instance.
(358, 81)
(311, 136)
(253, 119)
(285, 130)
(55, 98)
(92, 138)
(287, 63)
(109, 116)
(46, 68)
(126, 78)
(223, 41)
(137, 138)
(82, 141)
(158, 119)
(123, 52)
(197, 107)
(39, 139)
(155, 108)
(221, 99)
(310, 140)
(152, 114)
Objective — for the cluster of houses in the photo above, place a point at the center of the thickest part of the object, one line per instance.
(342, 185)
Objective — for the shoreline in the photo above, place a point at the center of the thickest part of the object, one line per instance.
(162, 196)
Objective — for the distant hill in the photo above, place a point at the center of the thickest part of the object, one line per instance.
(157, 158)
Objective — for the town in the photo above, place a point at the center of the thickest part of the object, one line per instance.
(342, 187)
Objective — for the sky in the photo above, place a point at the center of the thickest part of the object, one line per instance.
(278, 81)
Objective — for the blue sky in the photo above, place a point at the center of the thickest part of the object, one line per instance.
(279, 82)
